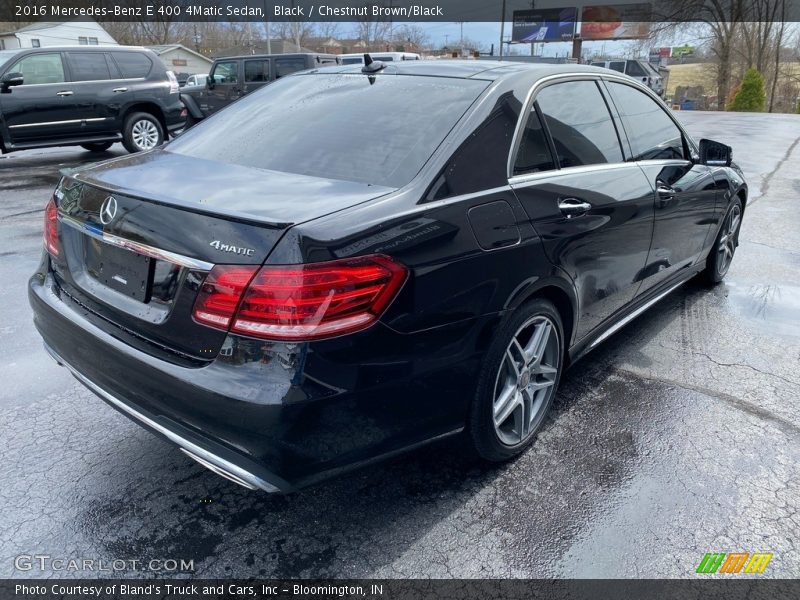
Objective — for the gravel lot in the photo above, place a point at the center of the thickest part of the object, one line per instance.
(678, 436)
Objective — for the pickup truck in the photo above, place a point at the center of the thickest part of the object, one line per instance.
(232, 77)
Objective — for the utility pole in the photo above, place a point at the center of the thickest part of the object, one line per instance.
(502, 28)
(269, 30)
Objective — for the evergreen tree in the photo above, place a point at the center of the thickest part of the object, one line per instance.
(751, 96)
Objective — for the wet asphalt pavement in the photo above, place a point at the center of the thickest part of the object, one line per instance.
(678, 436)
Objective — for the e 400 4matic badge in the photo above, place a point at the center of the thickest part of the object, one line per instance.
(232, 249)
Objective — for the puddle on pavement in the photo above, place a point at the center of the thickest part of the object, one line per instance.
(772, 307)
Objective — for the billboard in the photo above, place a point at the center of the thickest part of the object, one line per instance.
(546, 25)
(616, 21)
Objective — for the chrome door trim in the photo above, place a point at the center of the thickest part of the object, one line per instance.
(621, 323)
(95, 232)
(68, 122)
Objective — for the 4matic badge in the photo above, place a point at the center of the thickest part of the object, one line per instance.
(232, 249)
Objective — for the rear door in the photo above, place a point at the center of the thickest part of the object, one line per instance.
(593, 211)
(97, 90)
(685, 192)
(44, 107)
(256, 74)
(225, 85)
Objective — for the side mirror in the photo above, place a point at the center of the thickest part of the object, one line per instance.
(11, 79)
(715, 154)
(210, 82)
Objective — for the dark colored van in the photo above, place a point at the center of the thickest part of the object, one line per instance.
(233, 77)
(89, 96)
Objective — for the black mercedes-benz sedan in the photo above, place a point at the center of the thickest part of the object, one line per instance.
(352, 262)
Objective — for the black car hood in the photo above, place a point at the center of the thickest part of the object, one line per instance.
(217, 188)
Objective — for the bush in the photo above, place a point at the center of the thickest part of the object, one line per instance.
(751, 96)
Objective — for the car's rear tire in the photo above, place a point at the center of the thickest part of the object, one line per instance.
(191, 121)
(142, 131)
(518, 382)
(721, 255)
(97, 146)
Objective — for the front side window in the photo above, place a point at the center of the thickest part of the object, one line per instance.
(617, 65)
(225, 72)
(534, 153)
(580, 124)
(88, 66)
(40, 68)
(320, 126)
(256, 71)
(652, 133)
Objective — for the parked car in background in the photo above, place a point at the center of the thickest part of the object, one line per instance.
(640, 70)
(193, 80)
(232, 77)
(89, 96)
(342, 266)
(358, 59)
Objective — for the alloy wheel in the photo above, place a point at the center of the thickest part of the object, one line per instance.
(145, 134)
(526, 380)
(727, 241)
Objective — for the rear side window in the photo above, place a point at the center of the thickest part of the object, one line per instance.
(634, 69)
(133, 65)
(652, 133)
(286, 66)
(40, 68)
(256, 71)
(580, 124)
(534, 152)
(88, 66)
(336, 126)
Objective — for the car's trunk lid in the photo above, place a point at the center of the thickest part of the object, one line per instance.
(140, 234)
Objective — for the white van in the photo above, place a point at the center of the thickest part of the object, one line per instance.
(358, 59)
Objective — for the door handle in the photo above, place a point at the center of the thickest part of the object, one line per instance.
(122, 89)
(665, 193)
(64, 93)
(572, 207)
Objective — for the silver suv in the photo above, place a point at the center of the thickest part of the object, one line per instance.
(640, 70)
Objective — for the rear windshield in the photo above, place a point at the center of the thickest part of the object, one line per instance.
(336, 126)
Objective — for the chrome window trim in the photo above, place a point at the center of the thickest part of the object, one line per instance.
(518, 180)
(139, 248)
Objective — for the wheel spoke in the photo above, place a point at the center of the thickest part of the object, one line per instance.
(505, 403)
(734, 224)
(515, 370)
(538, 342)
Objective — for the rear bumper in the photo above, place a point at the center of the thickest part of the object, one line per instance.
(238, 473)
(276, 416)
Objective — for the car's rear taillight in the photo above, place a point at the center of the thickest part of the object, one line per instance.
(51, 228)
(299, 302)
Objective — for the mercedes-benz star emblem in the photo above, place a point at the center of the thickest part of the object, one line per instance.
(108, 210)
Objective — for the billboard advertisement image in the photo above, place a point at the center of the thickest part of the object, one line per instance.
(547, 25)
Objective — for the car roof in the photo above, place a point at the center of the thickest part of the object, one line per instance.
(288, 55)
(82, 48)
(466, 69)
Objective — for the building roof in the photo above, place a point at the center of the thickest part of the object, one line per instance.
(166, 48)
(277, 46)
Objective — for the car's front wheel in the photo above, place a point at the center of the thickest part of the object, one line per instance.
(721, 256)
(142, 132)
(518, 382)
(97, 146)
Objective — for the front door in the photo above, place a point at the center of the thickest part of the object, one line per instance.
(224, 85)
(44, 107)
(684, 191)
(593, 211)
